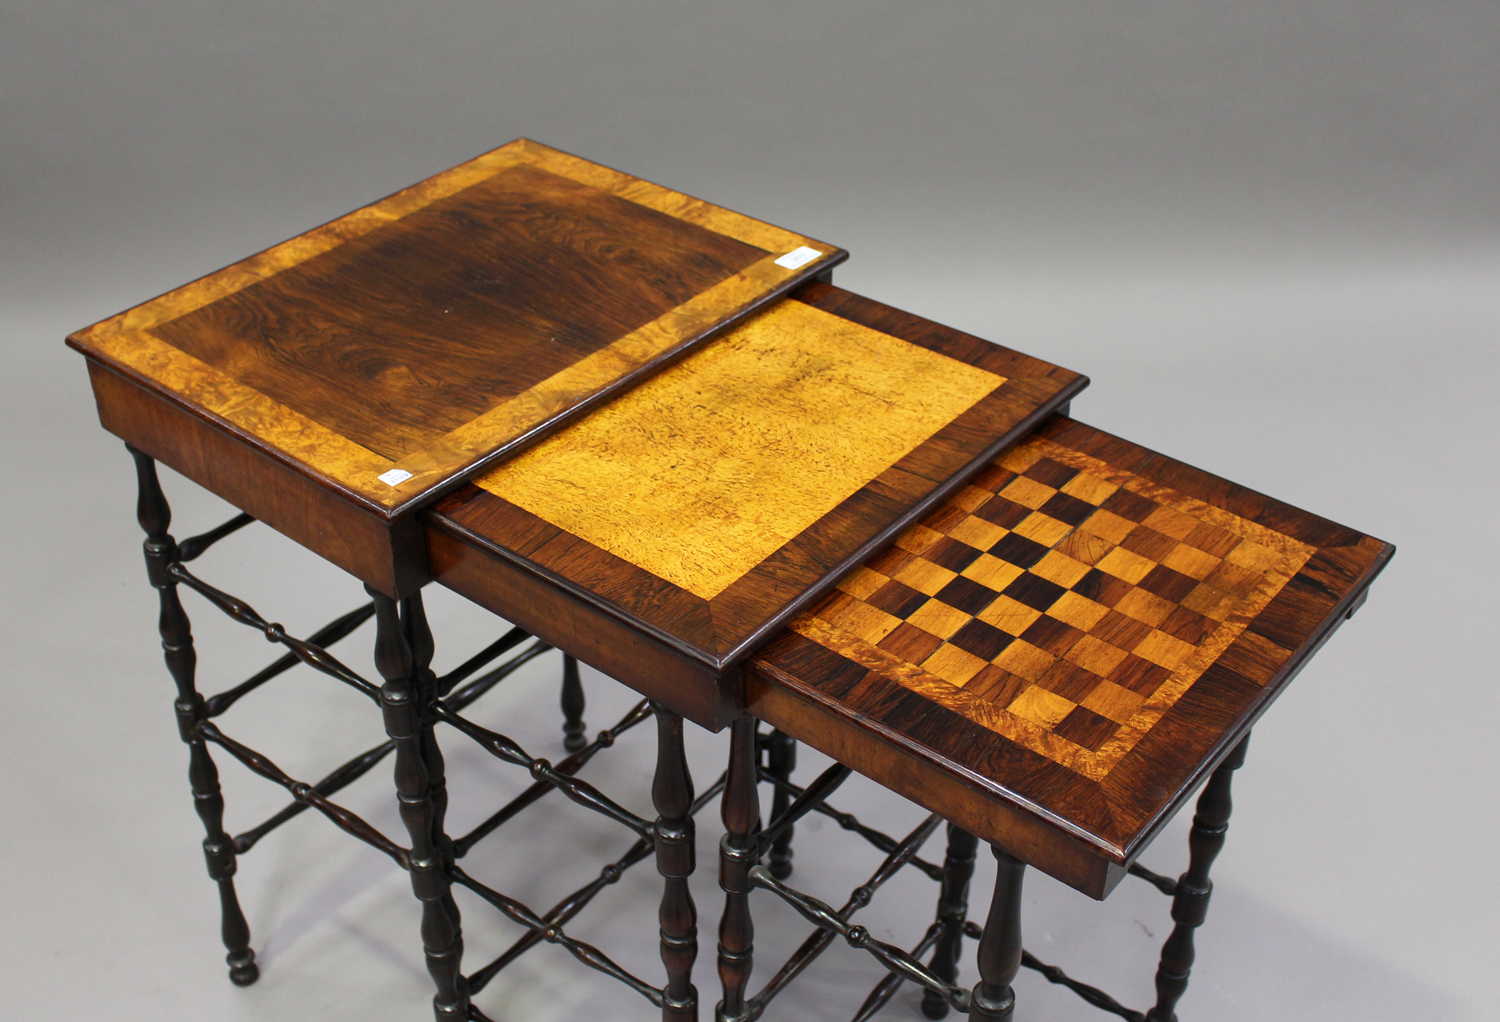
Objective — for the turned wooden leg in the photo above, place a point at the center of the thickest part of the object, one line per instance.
(781, 761)
(672, 795)
(402, 655)
(574, 731)
(1000, 947)
(952, 910)
(1190, 904)
(155, 516)
(741, 810)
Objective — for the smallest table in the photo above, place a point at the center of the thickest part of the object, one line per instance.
(1054, 661)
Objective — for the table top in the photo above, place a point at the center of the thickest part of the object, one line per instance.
(708, 504)
(1058, 655)
(396, 350)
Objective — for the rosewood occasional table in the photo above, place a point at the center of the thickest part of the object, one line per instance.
(1053, 661)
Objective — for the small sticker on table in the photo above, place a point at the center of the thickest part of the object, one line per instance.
(798, 258)
(395, 477)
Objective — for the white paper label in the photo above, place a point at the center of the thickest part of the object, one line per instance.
(395, 477)
(798, 258)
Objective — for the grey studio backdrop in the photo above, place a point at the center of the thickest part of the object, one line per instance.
(1269, 230)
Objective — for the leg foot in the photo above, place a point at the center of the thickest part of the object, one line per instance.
(575, 734)
(1000, 947)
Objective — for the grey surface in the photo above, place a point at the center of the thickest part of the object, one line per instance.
(1268, 231)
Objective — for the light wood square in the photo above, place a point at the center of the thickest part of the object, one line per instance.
(1164, 650)
(864, 583)
(1027, 492)
(917, 539)
(1095, 655)
(1191, 561)
(1024, 659)
(953, 664)
(1038, 705)
(978, 533)
(989, 570)
(1043, 529)
(1089, 488)
(869, 623)
(1060, 568)
(1171, 522)
(924, 576)
(1009, 616)
(1079, 611)
(937, 618)
(1113, 701)
(1124, 564)
(1020, 458)
(1144, 606)
(1108, 524)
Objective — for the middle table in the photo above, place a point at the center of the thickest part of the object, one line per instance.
(667, 536)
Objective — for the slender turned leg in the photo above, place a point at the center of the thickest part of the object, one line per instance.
(155, 516)
(1000, 947)
(953, 909)
(672, 795)
(783, 760)
(403, 651)
(741, 808)
(572, 706)
(1190, 905)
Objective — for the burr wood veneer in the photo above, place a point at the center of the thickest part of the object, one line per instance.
(332, 384)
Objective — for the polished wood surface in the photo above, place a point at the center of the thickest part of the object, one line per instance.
(388, 353)
(690, 518)
(686, 476)
(1055, 657)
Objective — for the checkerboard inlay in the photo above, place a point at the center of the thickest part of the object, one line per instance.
(1058, 601)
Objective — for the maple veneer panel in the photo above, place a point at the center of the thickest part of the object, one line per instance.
(1057, 655)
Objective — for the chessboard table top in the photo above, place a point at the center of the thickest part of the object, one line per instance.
(1058, 654)
(394, 351)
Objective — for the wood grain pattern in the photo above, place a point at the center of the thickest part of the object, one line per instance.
(453, 321)
(1069, 643)
(432, 325)
(685, 476)
(732, 505)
